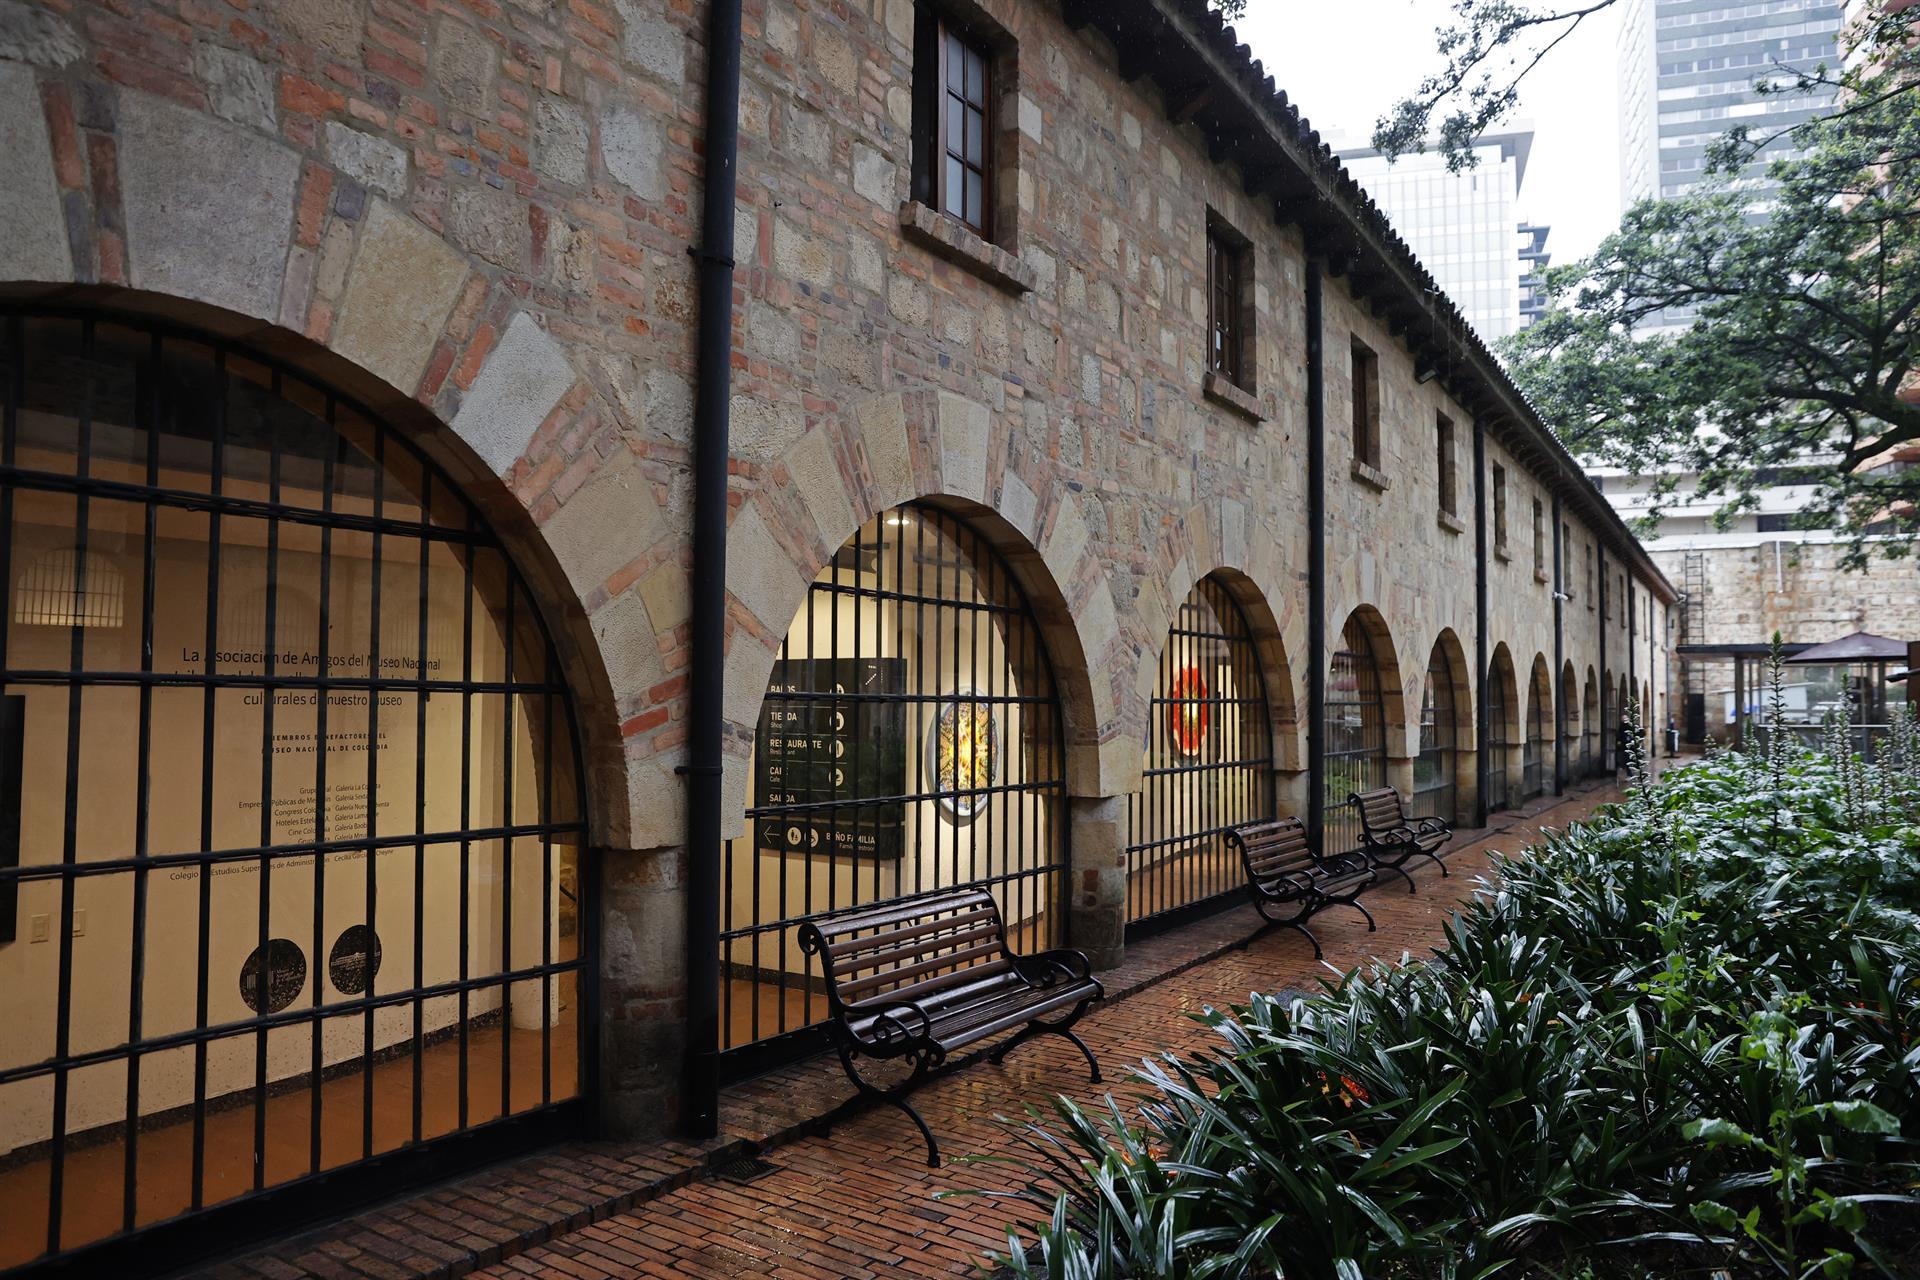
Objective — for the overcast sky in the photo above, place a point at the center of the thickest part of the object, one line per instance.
(1345, 63)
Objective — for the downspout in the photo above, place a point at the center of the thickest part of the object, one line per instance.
(714, 259)
(1316, 566)
(1559, 656)
(1607, 699)
(1483, 724)
(1626, 585)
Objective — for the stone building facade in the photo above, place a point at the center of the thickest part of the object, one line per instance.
(472, 223)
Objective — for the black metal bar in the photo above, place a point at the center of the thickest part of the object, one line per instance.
(209, 722)
(317, 1056)
(70, 816)
(424, 571)
(264, 905)
(146, 402)
(1316, 562)
(706, 700)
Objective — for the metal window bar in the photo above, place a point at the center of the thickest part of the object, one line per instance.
(140, 447)
(1434, 790)
(1356, 735)
(1208, 764)
(910, 739)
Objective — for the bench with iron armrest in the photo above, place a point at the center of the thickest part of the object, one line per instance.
(922, 977)
(1390, 838)
(1284, 874)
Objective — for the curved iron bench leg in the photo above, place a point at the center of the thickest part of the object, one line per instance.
(895, 1096)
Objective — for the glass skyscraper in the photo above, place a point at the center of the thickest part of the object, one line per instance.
(1687, 75)
(1462, 225)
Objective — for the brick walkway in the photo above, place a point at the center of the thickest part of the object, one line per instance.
(860, 1204)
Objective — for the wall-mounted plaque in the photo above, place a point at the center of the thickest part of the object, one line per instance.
(1188, 711)
(831, 732)
(286, 973)
(354, 960)
(963, 754)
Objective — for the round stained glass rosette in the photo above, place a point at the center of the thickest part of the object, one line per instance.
(1188, 715)
(963, 753)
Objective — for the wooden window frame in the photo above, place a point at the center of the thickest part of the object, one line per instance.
(935, 35)
(1449, 481)
(1366, 404)
(1539, 537)
(1229, 304)
(1499, 509)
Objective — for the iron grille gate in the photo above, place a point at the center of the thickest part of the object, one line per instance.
(1590, 724)
(1569, 713)
(1533, 754)
(1499, 746)
(294, 826)
(1208, 764)
(1433, 770)
(1356, 729)
(910, 740)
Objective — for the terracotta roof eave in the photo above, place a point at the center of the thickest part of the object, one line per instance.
(1389, 264)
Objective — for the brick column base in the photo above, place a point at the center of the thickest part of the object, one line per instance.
(1400, 777)
(643, 989)
(1097, 912)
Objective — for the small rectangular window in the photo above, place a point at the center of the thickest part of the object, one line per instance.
(953, 83)
(1443, 443)
(1499, 508)
(1366, 404)
(1229, 310)
(1591, 601)
(1539, 537)
(1565, 552)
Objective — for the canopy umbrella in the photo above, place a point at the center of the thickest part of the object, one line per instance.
(1861, 646)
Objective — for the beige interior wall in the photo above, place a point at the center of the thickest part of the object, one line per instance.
(103, 794)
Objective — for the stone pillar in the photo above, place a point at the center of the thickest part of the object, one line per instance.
(643, 991)
(1400, 775)
(1466, 783)
(1097, 913)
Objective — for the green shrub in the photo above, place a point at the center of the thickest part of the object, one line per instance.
(1682, 1037)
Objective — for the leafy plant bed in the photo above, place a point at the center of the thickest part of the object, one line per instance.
(1681, 1039)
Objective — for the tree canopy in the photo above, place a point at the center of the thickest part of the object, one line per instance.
(1798, 340)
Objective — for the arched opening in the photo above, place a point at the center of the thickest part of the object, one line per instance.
(910, 740)
(1208, 762)
(300, 813)
(1590, 723)
(1539, 727)
(1356, 726)
(1436, 770)
(1618, 723)
(1502, 727)
(1568, 760)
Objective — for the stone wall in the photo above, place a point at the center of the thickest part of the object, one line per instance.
(477, 218)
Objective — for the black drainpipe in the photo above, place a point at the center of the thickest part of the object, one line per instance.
(1483, 770)
(1559, 656)
(1316, 565)
(714, 256)
(1606, 691)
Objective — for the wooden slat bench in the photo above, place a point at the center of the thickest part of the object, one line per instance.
(923, 977)
(1284, 874)
(1390, 838)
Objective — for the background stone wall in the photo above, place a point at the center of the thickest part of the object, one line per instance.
(477, 217)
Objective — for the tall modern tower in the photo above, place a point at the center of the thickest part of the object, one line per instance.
(1462, 225)
(1687, 75)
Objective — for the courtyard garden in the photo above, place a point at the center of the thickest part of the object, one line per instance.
(1676, 1039)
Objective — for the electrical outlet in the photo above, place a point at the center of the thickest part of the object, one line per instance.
(39, 928)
